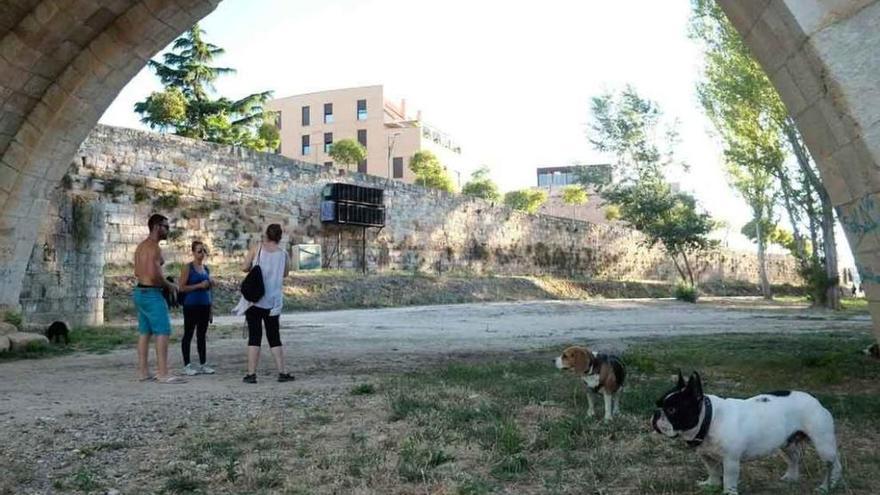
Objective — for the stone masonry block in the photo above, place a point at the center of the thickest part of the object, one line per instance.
(814, 16)
(806, 76)
(817, 133)
(11, 76)
(850, 49)
(16, 52)
(789, 91)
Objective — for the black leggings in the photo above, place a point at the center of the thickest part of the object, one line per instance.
(195, 318)
(254, 317)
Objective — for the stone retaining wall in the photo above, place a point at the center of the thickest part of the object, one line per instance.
(226, 196)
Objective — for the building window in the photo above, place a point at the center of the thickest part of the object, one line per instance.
(328, 113)
(362, 137)
(306, 148)
(328, 141)
(362, 109)
(306, 116)
(362, 166)
(398, 167)
(328, 164)
(278, 120)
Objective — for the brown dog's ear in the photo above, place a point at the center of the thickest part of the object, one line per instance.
(580, 360)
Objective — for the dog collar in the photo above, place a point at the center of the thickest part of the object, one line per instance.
(704, 428)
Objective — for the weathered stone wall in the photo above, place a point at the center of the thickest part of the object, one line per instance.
(65, 275)
(226, 196)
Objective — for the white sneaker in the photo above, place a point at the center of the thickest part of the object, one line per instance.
(190, 370)
(206, 370)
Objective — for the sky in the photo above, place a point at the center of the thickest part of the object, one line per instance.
(510, 81)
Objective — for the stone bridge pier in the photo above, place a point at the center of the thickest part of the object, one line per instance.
(62, 62)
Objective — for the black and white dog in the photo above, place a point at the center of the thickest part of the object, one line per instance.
(725, 432)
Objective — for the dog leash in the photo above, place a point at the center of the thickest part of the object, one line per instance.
(704, 428)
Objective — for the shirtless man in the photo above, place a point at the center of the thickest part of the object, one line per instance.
(153, 318)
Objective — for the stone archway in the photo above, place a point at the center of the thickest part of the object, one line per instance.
(63, 62)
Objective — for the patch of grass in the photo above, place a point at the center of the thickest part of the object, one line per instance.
(183, 483)
(854, 305)
(260, 473)
(766, 362)
(319, 417)
(510, 467)
(527, 428)
(88, 339)
(473, 485)
(403, 406)
(418, 459)
(363, 389)
(85, 480)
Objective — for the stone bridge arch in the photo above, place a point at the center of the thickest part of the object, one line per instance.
(62, 62)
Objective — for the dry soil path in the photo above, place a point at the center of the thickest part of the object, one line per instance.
(329, 349)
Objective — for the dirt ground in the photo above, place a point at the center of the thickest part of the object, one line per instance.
(329, 348)
(79, 396)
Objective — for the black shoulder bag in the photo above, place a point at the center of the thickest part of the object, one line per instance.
(252, 286)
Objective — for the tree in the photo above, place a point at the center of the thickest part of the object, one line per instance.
(348, 152)
(163, 109)
(629, 127)
(430, 172)
(594, 176)
(186, 104)
(574, 195)
(666, 217)
(528, 200)
(760, 134)
(481, 186)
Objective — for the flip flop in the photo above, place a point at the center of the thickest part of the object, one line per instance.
(149, 378)
(172, 380)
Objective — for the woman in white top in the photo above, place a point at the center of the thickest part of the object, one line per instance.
(275, 265)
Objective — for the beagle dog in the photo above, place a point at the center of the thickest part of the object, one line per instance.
(603, 373)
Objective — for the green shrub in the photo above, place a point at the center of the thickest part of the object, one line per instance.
(688, 293)
(167, 201)
(13, 318)
(140, 194)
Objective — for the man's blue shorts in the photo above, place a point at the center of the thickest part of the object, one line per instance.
(152, 311)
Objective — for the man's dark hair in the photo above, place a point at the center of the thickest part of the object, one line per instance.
(196, 244)
(154, 220)
(273, 232)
